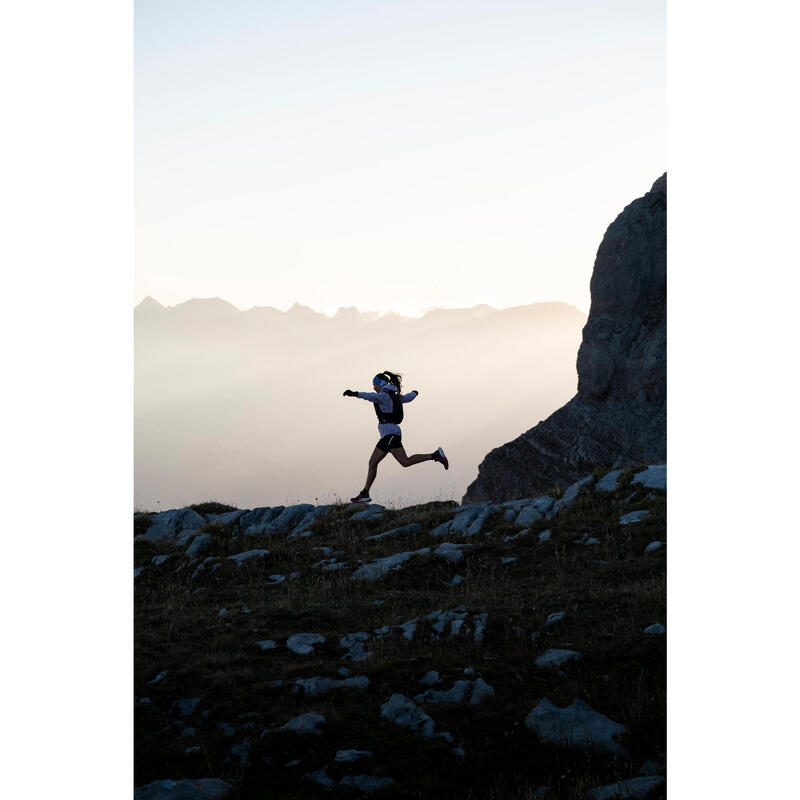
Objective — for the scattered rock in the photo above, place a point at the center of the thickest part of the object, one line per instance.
(403, 712)
(634, 516)
(369, 514)
(545, 535)
(654, 477)
(169, 524)
(317, 687)
(186, 789)
(158, 678)
(456, 580)
(555, 658)
(303, 643)
(308, 724)
(535, 511)
(348, 756)
(186, 705)
(238, 558)
(409, 629)
(450, 552)
(366, 783)
(320, 776)
(656, 628)
(266, 644)
(653, 546)
(577, 726)
(405, 530)
(430, 678)
(555, 617)
(570, 495)
(608, 483)
(158, 560)
(626, 790)
(373, 570)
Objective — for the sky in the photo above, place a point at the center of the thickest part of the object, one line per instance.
(393, 156)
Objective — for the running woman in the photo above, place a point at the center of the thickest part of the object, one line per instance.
(388, 404)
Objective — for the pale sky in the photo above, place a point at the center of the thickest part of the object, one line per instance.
(390, 155)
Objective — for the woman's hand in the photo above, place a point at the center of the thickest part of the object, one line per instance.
(349, 393)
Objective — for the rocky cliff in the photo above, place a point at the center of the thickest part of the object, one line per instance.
(618, 416)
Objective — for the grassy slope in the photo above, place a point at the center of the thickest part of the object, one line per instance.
(622, 674)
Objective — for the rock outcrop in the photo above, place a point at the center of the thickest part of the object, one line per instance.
(618, 417)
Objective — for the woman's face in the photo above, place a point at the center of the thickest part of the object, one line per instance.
(377, 387)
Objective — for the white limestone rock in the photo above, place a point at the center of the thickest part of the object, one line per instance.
(535, 510)
(370, 513)
(366, 783)
(430, 678)
(320, 776)
(307, 724)
(626, 790)
(238, 558)
(349, 756)
(402, 711)
(373, 570)
(634, 516)
(169, 524)
(319, 686)
(653, 546)
(186, 789)
(656, 629)
(577, 726)
(654, 477)
(304, 643)
(608, 483)
(450, 552)
(405, 530)
(555, 658)
(199, 545)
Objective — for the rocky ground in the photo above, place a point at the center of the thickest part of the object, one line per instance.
(494, 650)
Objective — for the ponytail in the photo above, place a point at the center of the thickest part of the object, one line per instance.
(395, 379)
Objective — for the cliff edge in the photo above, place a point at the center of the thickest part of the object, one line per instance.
(618, 417)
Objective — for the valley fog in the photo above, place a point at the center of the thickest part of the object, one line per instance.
(246, 407)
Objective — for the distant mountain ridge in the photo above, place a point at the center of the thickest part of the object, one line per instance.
(216, 306)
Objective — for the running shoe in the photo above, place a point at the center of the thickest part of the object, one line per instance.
(441, 458)
(361, 498)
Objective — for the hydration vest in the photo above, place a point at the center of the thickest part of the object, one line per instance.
(395, 415)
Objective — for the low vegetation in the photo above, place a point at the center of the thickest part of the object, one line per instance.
(611, 591)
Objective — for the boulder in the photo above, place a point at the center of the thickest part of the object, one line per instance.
(578, 726)
(375, 569)
(308, 724)
(555, 658)
(608, 483)
(654, 477)
(170, 524)
(304, 643)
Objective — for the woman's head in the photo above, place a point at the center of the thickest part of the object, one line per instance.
(384, 378)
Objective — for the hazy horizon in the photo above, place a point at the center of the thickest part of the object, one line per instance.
(246, 407)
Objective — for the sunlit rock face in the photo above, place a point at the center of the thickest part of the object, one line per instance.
(618, 417)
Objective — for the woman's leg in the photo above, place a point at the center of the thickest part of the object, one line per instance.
(408, 461)
(372, 469)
